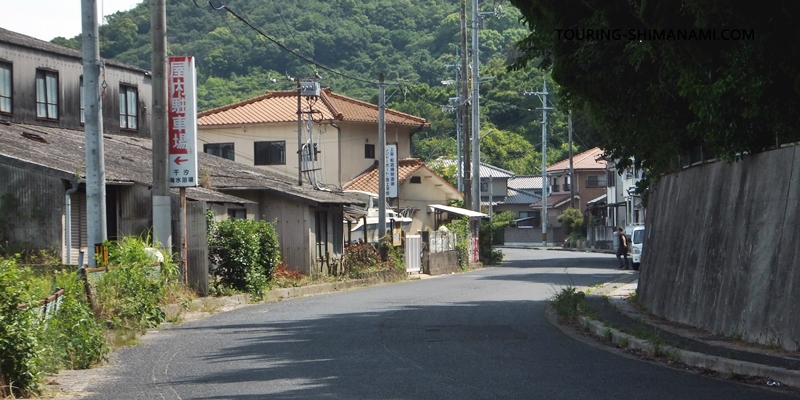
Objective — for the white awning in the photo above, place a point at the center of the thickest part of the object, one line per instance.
(456, 210)
(597, 200)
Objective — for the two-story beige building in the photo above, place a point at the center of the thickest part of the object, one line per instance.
(419, 187)
(338, 135)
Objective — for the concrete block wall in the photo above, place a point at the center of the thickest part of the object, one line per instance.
(721, 248)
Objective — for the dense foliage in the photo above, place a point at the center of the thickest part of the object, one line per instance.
(412, 41)
(70, 337)
(245, 254)
(653, 100)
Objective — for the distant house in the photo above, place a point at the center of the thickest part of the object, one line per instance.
(340, 142)
(622, 206)
(42, 158)
(419, 188)
(590, 185)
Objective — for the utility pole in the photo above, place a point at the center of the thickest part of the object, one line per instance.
(466, 186)
(381, 157)
(571, 170)
(476, 133)
(162, 212)
(300, 138)
(543, 97)
(93, 130)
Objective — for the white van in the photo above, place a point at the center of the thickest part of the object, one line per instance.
(637, 242)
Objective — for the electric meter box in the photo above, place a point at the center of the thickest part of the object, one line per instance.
(309, 89)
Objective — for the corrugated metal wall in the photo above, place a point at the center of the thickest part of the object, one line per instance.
(135, 210)
(294, 222)
(32, 208)
(197, 244)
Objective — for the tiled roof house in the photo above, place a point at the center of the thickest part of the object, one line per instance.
(340, 142)
(419, 188)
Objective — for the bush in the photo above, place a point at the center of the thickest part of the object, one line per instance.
(245, 253)
(19, 339)
(569, 303)
(130, 294)
(359, 258)
(72, 337)
(572, 220)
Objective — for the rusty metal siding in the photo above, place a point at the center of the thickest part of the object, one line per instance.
(135, 210)
(32, 206)
(24, 63)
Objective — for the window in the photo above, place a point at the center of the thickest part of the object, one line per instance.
(596, 181)
(46, 94)
(270, 153)
(566, 183)
(369, 151)
(5, 88)
(224, 150)
(83, 105)
(484, 187)
(416, 179)
(128, 99)
(237, 213)
(555, 184)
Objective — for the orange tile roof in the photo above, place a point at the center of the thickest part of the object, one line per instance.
(281, 106)
(367, 181)
(589, 159)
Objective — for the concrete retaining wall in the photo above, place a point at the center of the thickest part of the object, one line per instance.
(442, 263)
(721, 248)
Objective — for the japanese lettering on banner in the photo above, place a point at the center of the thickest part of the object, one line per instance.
(391, 170)
(182, 122)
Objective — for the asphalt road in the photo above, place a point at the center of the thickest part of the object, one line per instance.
(477, 335)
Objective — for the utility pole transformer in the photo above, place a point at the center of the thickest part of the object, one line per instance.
(162, 209)
(93, 130)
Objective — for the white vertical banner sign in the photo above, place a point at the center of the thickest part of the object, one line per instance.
(182, 93)
(391, 170)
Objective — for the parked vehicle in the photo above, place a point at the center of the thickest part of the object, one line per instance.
(637, 244)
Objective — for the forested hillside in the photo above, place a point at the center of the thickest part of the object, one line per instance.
(412, 41)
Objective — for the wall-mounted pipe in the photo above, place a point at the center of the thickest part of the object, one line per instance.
(68, 217)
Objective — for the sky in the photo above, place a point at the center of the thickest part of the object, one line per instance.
(47, 19)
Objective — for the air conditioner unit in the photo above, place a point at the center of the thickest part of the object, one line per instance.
(309, 89)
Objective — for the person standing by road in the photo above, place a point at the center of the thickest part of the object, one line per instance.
(622, 249)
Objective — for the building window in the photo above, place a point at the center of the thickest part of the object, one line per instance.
(594, 181)
(555, 185)
(270, 153)
(83, 105)
(237, 213)
(566, 183)
(369, 151)
(416, 179)
(46, 94)
(128, 100)
(224, 150)
(5, 88)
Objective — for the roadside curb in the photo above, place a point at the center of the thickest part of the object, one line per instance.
(718, 364)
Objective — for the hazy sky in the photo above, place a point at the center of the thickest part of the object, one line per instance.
(46, 19)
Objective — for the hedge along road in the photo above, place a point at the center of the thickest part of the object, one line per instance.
(476, 335)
